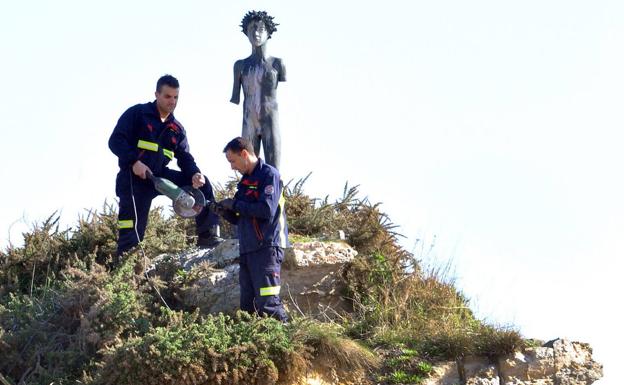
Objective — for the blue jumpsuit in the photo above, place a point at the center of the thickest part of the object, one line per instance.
(263, 234)
(141, 135)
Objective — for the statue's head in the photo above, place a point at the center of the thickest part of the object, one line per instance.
(260, 23)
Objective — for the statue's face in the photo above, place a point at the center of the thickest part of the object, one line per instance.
(257, 33)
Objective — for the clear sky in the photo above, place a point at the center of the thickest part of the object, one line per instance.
(493, 127)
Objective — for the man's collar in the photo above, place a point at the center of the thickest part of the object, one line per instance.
(257, 167)
(153, 109)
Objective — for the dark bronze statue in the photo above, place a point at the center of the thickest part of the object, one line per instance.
(259, 74)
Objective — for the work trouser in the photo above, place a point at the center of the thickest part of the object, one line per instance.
(144, 192)
(259, 279)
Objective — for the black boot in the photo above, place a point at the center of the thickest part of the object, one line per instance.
(209, 239)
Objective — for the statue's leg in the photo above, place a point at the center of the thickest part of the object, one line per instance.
(272, 141)
(249, 133)
(255, 140)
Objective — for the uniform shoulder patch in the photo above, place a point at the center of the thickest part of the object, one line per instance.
(268, 190)
(173, 127)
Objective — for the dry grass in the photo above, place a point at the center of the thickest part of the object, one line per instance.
(334, 355)
(421, 309)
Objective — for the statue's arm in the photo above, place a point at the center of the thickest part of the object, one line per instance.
(281, 71)
(237, 82)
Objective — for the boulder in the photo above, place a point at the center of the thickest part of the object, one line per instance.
(444, 373)
(528, 364)
(574, 364)
(311, 277)
(480, 371)
(559, 362)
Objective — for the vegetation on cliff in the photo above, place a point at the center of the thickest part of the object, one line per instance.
(67, 319)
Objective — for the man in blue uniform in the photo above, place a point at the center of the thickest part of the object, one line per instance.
(146, 138)
(258, 211)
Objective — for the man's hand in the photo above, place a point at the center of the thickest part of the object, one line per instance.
(227, 204)
(139, 169)
(198, 180)
(223, 207)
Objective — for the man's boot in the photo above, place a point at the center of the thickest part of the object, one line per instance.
(210, 239)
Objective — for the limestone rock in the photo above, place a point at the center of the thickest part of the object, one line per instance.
(574, 363)
(445, 373)
(529, 364)
(480, 371)
(311, 279)
(214, 292)
(224, 254)
(318, 253)
(559, 362)
(221, 256)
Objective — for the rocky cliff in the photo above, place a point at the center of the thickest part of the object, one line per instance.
(313, 286)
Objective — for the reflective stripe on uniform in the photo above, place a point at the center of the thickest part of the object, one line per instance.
(270, 290)
(282, 221)
(145, 145)
(168, 153)
(126, 224)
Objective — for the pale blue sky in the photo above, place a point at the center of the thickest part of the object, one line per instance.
(493, 125)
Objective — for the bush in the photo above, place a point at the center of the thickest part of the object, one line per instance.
(366, 227)
(211, 350)
(47, 250)
(60, 330)
(38, 262)
(65, 318)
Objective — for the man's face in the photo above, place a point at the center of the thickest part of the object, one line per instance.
(238, 162)
(257, 33)
(167, 99)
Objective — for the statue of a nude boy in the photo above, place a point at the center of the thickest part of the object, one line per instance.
(259, 75)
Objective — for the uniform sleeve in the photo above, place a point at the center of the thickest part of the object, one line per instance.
(268, 200)
(122, 141)
(186, 162)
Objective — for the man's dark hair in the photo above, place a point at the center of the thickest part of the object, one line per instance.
(260, 16)
(167, 80)
(239, 144)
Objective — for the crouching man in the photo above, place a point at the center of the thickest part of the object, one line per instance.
(258, 211)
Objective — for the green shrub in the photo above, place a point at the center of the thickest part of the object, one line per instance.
(366, 228)
(38, 342)
(95, 235)
(167, 234)
(401, 377)
(211, 350)
(65, 318)
(38, 261)
(60, 330)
